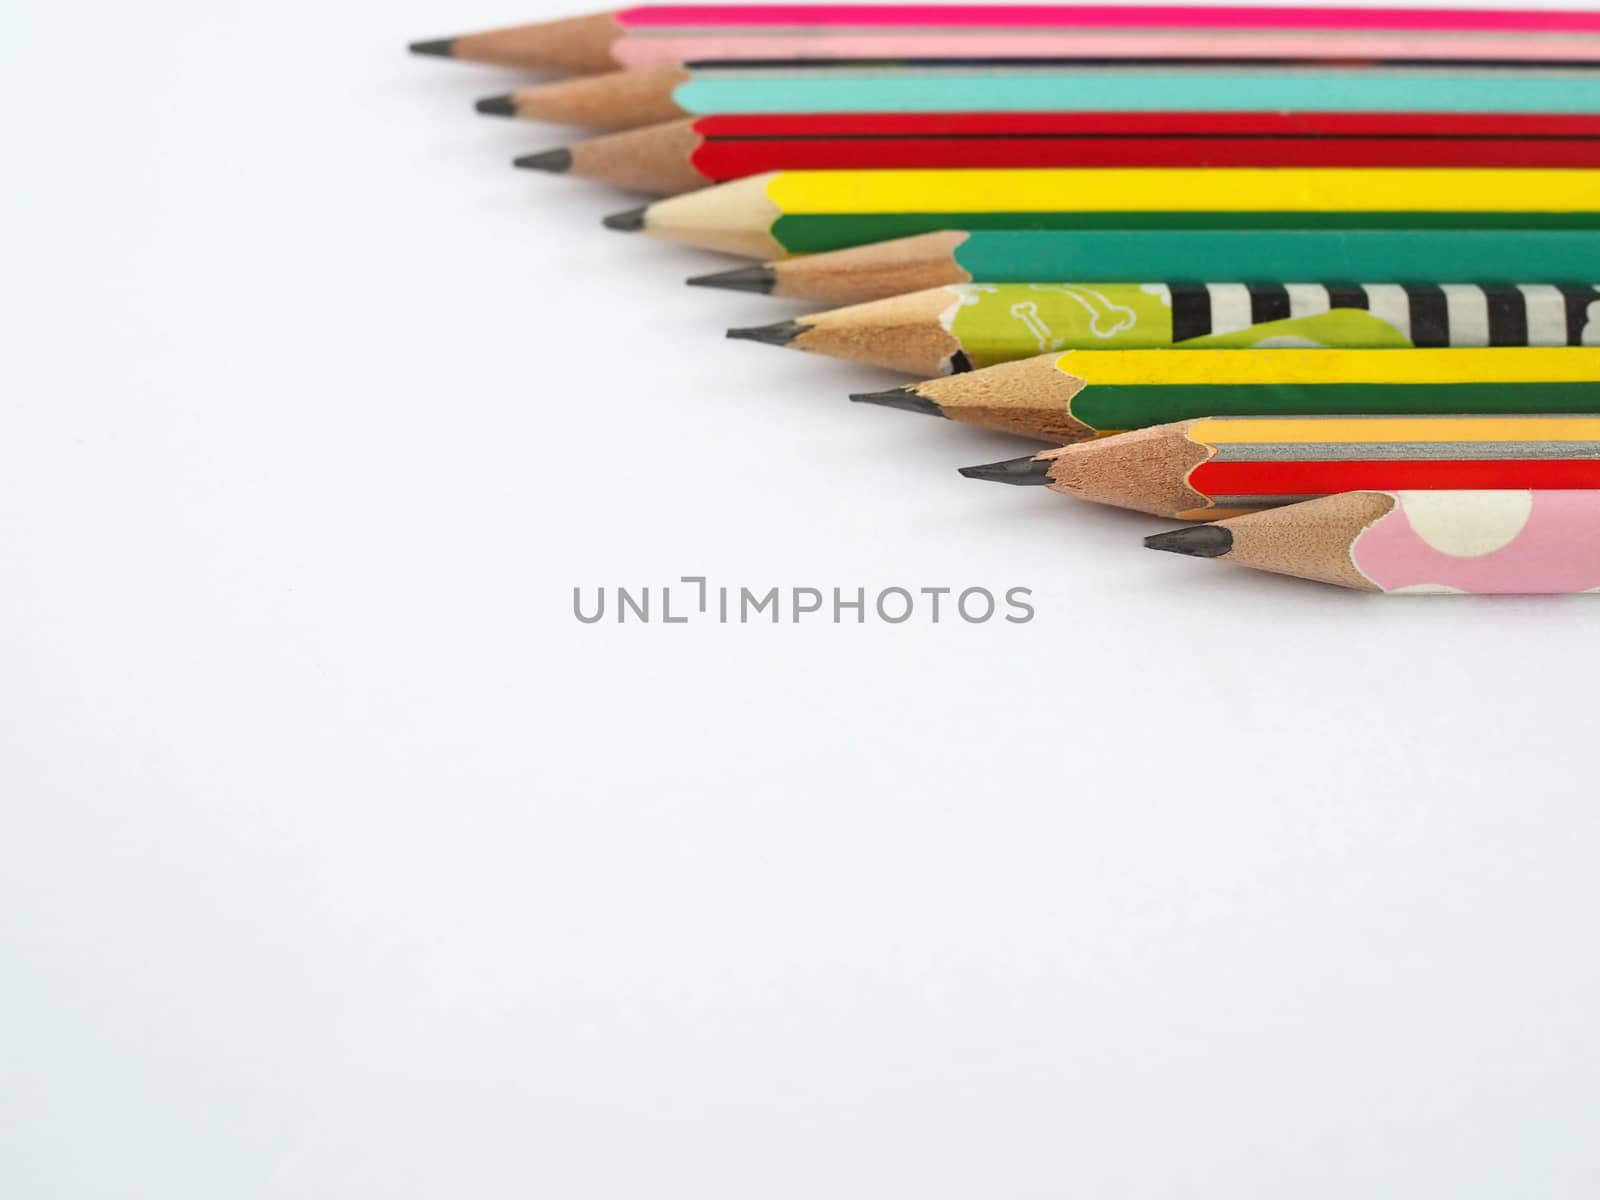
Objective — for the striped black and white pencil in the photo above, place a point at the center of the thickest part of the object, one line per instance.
(912, 264)
(946, 330)
(1222, 466)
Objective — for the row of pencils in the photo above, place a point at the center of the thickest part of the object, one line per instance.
(1320, 280)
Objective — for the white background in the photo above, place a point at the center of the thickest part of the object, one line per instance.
(337, 859)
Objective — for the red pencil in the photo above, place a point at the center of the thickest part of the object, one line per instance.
(680, 156)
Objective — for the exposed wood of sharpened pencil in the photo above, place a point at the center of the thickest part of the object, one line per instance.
(617, 100)
(1311, 540)
(731, 218)
(856, 275)
(905, 333)
(658, 159)
(573, 44)
(1031, 398)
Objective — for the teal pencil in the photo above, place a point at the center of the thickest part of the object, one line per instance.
(1414, 256)
(627, 99)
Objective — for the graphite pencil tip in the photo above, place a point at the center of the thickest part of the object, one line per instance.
(1023, 472)
(1197, 541)
(498, 106)
(741, 279)
(629, 222)
(557, 162)
(437, 48)
(780, 333)
(905, 399)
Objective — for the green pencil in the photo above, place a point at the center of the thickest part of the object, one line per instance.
(1085, 393)
(1413, 256)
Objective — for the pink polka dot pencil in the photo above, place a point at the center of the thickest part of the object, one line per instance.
(1512, 541)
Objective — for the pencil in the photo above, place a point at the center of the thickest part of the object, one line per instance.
(1085, 394)
(795, 212)
(627, 99)
(680, 156)
(1482, 542)
(654, 33)
(1415, 256)
(946, 330)
(1222, 466)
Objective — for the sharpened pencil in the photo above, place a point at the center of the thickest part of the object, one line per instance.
(1413, 256)
(796, 212)
(943, 331)
(1085, 394)
(572, 44)
(652, 34)
(1221, 466)
(680, 156)
(628, 99)
(1416, 542)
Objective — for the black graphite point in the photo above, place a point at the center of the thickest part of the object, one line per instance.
(437, 48)
(1024, 472)
(498, 106)
(631, 221)
(557, 162)
(1197, 541)
(780, 333)
(741, 279)
(905, 399)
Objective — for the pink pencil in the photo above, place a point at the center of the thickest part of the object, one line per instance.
(656, 34)
(1101, 16)
(670, 47)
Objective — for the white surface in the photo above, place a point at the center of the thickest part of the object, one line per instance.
(337, 859)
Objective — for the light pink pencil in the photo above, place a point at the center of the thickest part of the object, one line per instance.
(650, 49)
(696, 32)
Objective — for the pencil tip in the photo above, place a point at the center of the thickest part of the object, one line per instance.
(498, 106)
(437, 48)
(557, 162)
(741, 279)
(780, 333)
(1021, 471)
(629, 222)
(1197, 541)
(905, 399)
